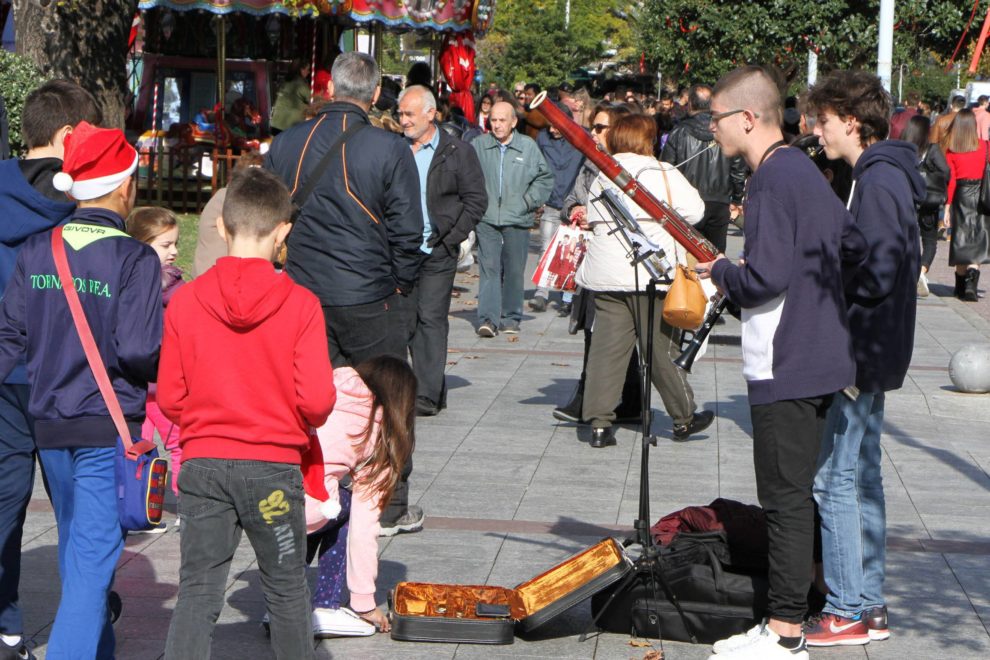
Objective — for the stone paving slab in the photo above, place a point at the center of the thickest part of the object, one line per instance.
(510, 492)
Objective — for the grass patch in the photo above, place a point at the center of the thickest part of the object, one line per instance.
(188, 236)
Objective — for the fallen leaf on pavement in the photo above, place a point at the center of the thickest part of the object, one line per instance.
(640, 643)
(559, 364)
(653, 655)
(513, 339)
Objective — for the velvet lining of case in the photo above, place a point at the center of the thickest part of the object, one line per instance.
(461, 601)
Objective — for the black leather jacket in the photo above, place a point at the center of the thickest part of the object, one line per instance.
(717, 178)
(455, 193)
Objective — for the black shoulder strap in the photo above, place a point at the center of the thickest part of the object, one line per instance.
(314, 178)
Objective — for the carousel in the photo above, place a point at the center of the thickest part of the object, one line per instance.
(205, 73)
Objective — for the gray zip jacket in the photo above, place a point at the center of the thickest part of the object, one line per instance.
(517, 181)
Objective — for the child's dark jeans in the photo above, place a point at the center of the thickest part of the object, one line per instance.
(217, 499)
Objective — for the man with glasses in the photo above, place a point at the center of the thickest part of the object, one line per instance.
(719, 180)
(796, 345)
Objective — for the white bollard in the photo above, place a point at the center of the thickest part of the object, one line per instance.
(969, 369)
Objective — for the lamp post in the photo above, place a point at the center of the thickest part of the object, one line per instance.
(885, 47)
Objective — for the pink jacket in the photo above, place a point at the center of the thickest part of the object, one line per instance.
(343, 453)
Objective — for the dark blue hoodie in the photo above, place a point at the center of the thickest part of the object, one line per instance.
(882, 296)
(119, 285)
(24, 212)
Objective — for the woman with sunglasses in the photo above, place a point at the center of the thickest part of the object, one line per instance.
(582, 308)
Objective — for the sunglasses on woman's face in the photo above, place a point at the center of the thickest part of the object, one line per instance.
(598, 128)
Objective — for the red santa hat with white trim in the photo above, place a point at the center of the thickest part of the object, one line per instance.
(97, 161)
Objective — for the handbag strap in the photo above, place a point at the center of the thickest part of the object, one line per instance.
(321, 167)
(92, 351)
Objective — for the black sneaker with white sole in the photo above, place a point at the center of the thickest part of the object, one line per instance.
(409, 522)
(18, 651)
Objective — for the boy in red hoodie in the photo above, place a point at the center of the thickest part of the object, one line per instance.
(245, 373)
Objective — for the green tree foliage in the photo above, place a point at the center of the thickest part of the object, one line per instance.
(701, 40)
(18, 76)
(529, 40)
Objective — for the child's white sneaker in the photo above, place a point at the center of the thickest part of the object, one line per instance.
(341, 622)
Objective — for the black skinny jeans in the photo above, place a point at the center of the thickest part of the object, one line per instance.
(786, 439)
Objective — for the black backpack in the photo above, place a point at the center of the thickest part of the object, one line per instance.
(716, 599)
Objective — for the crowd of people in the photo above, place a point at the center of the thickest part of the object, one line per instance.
(285, 377)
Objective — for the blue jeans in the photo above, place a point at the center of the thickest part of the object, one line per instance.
(502, 253)
(16, 483)
(849, 491)
(90, 540)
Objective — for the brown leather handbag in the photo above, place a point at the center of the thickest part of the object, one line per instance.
(684, 305)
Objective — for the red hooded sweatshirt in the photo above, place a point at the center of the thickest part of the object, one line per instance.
(244, 369)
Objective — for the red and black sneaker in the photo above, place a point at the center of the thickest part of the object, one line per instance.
(833, 630)
(876, 621)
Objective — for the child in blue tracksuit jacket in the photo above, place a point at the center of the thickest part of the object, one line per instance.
(119, 284)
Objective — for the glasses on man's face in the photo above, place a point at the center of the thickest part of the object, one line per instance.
(599, 128)
(719, 116)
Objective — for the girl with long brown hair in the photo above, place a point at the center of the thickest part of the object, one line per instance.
(969, 246)
(365, 443)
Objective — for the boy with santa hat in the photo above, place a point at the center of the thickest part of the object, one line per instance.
(119, 285)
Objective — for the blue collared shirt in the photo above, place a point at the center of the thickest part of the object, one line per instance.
(424, 156)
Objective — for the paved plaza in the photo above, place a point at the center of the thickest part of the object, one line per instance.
(509, 492)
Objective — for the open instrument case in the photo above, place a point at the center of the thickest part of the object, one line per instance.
(469, 614)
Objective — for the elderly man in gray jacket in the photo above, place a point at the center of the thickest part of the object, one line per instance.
(518, 182)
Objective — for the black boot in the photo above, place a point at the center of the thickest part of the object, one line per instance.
(972, 280)
(960, 286)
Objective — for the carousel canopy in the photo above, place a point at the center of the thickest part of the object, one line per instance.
(255, 7)
(435, 15)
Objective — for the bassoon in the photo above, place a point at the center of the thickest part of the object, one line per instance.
(678, 228)
(674, 224)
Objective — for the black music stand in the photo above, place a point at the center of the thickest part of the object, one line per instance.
(643, 252)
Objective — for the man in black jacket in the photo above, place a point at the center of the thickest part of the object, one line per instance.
(719, 180)
(453, 201)
(356, 240)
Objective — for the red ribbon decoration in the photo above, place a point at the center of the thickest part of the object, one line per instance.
(457, 65)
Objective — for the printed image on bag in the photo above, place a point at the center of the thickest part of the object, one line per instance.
(559, 264)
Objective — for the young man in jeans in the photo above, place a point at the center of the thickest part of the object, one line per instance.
(245, 372)
(796, 347)
(852, 110)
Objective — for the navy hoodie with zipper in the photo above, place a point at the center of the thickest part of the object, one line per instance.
(25, 211)
(119, 285)
(882, 296)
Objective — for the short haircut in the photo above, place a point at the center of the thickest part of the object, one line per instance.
(255, 203)
(855, 94)
(425, 93)
(982, 99)
(56, 104)
(533, 86)
(752, 88)
(962, 136)
(632, 134)
(146, 223)
(355, 76)
(911, 99)
(700, 98)
(958, 102)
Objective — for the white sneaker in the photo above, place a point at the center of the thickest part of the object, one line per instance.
(738, 641)
(341, 622)
(923, 286)
(760, 643)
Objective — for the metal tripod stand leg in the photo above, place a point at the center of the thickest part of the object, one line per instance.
(649, 560)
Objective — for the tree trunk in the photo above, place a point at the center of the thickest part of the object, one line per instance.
(82, 41)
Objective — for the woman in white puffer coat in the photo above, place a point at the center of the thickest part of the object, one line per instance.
(619, 305)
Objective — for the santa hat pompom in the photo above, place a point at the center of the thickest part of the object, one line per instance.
(330, 509)
(62, 182)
